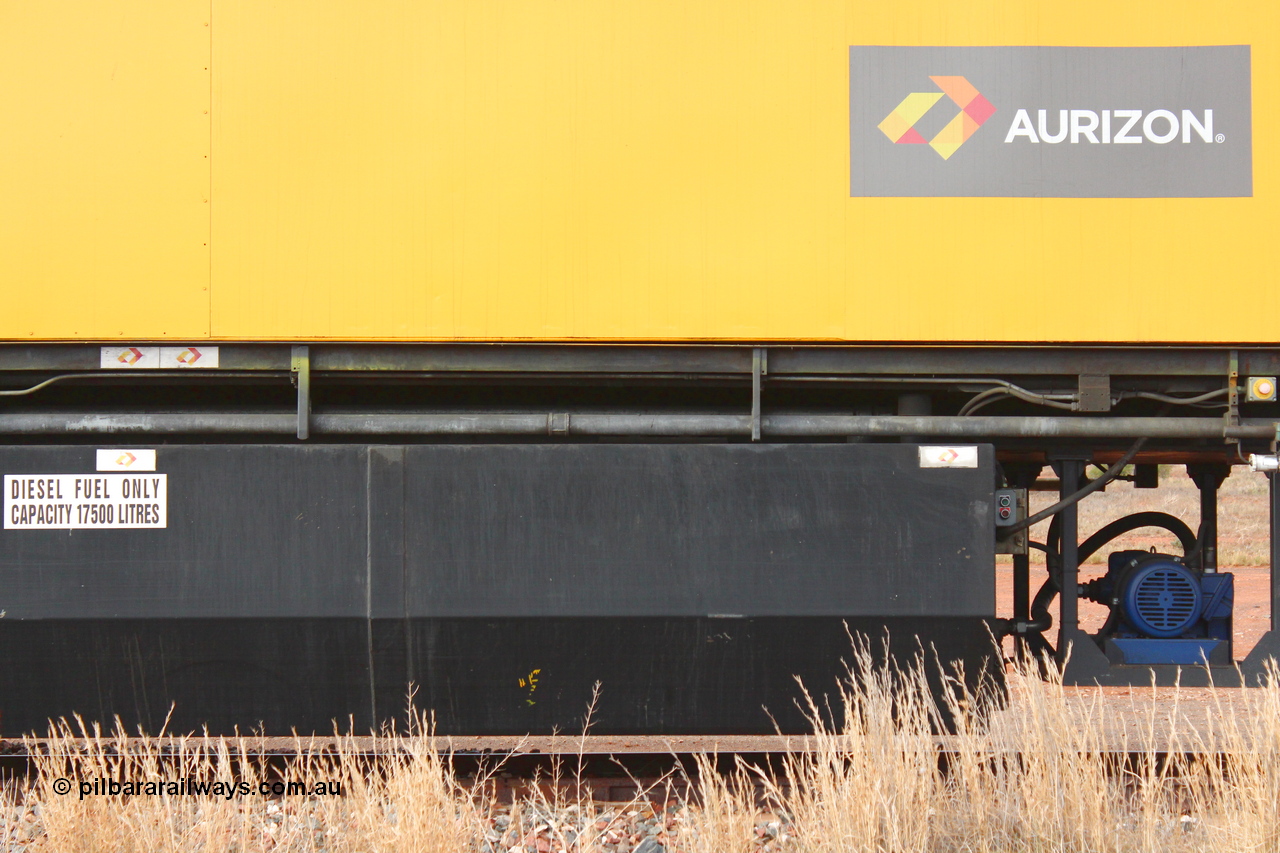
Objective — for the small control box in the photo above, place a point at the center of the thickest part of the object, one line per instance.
(1007, 507)
(1011, 507)
(1260, 389)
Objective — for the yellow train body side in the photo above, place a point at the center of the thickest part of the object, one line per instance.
(572, 170)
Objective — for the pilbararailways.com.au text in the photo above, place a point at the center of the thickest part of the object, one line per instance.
(190, 787)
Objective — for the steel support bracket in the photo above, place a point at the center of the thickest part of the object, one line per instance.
(300, 370)
(759, 369)
(1070, 468)
(1231, 418)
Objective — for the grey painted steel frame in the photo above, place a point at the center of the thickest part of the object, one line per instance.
(683, 425)
(662, 360)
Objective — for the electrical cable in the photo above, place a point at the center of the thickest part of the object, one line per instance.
(1003, 395)
(980, 399)
(991, 395)
(143, 374)
(995, 395)
(22, 392)
(1041, 619)
(1094, 485)
(1177, 401)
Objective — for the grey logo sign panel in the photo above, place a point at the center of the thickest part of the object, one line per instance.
(1064, 122)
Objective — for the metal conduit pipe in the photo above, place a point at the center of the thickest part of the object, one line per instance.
(1037, 426)
(636, 424)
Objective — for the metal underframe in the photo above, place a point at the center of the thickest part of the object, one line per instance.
(856, 373)
(788, 393)
(728, 359)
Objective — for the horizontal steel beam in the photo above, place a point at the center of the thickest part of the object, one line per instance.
(785, 360)
(782, 425)
(1018, 361)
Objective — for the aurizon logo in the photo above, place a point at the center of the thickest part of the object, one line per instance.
(899, 125)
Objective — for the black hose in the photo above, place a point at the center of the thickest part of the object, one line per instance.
(1195, 557)
(1113, 471)
(1041, 618)
(1152, 518)
(1188, 540)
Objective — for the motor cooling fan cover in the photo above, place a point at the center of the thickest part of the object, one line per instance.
(1162, 598)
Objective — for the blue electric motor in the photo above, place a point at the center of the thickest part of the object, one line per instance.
(1163, 612)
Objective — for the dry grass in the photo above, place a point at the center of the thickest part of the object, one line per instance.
(1042, 775)
(1036, 776)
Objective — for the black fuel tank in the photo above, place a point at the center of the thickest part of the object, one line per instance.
(293, 585)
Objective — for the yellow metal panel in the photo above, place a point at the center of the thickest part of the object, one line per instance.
(573, 170)
(528, 169)
(1110, 270)
(104, 169)
(677, 170)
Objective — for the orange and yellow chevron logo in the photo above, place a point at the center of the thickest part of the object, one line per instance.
(899, 125)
